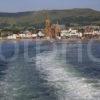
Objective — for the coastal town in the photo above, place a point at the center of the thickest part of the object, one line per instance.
(54, 31)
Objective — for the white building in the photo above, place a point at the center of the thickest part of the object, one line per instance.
(40, 34)
(13, 36)
(96, 32)
(64, 33)
(34, 35)
(70, 33)
(22, 35)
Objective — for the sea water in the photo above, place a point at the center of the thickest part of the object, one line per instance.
(44, 70)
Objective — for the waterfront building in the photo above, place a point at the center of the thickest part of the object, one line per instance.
(22, 35)
(64, 33)
(13, 36)
(34, 35)
(71, 33)
(40, 34)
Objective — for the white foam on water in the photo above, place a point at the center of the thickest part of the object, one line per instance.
(67, 86)
(10, 86)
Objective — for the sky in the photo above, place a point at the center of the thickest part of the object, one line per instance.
(33, 5)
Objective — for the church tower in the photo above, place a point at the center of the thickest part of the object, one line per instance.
(48, 27)
(57, 29)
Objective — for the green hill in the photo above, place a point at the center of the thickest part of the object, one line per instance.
(34, 18)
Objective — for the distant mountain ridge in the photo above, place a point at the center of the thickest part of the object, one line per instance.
(85, 10)
(66, 16)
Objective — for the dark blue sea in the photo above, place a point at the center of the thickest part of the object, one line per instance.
(49, 70)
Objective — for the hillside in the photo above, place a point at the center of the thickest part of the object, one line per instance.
(32, 18)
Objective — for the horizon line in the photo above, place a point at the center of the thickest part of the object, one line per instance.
(46, 10)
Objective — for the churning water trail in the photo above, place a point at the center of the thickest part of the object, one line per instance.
(59, 76)
(21, 80)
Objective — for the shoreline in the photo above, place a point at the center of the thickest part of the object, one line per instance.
(54, 40)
